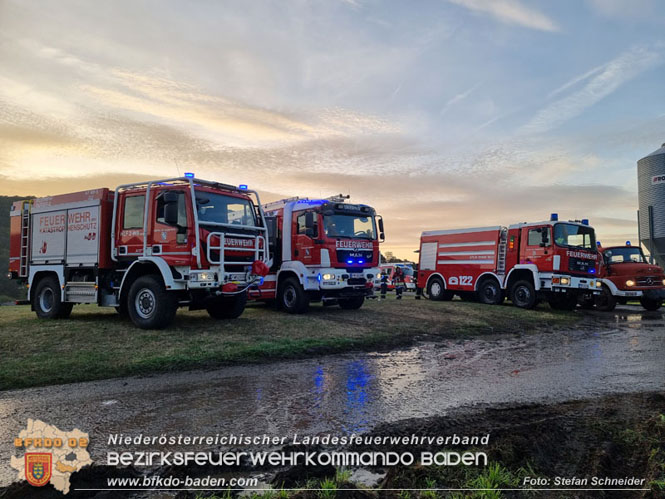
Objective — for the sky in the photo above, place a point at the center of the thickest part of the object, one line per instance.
(440, 114)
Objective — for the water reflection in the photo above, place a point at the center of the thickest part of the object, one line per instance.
(357, 397)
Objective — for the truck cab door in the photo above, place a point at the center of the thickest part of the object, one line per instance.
(537, 247)
(169, 234)
(129, 239)
(303, 240)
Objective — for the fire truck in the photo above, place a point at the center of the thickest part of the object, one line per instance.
(409, 281)
(145, 249)
(626, 274)
(323, 250)
(552, 260)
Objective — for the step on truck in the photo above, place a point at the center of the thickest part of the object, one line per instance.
(146, 249)
(527, 262)
(626, 274)
(324, 250)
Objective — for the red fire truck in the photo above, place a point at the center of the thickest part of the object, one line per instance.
(324, 250)
(626, 274)
(552, 260)
(146, 249)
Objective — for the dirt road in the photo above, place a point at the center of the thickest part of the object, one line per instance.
(623, 352)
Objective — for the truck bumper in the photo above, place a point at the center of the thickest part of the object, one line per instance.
(575, 284)
(339, 283)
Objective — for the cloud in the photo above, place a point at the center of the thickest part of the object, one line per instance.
(510, 12)
(602, 82)
(458, 98)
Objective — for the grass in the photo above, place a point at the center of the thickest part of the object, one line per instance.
(96, 343)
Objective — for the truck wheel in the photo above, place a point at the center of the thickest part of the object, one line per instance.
(605, 302)
(650, 304)
(490, 292)
(46, 300)
(563, 301)
(149, 305)
(227, 307)
(352, 303)
(523, 294)
(292, 297)
(587, 302)
(437, 292)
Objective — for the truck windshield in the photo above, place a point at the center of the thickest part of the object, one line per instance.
(406, 270)
(349, 226)
(220, 209)
(574, 236)
(624, 255)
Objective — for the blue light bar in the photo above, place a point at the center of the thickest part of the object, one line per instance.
(189, 175)
(242, 187)
(585, 221)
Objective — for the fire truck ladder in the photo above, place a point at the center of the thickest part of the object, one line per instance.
(25, 239)
(501, 257)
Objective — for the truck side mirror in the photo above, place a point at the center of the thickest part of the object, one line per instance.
(382, 235)
(309, 224)
(171, 208)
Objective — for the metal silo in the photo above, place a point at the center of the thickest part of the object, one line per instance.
(651, 195)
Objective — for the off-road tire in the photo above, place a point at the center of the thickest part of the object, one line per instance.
(523, 294)
(292, 297)
(490, 292)
(227, 307)
(586, 302)
(436, 291)
(351, 303)
(47, 302)
(650, 304)
(149, 305)
(605, 301)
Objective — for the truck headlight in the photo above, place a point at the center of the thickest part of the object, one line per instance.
(630, 283)
(328, 277)
(599, 284)
(663, 282)
(565, 281)
(203, 277)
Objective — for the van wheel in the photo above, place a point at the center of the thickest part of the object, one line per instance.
(351, 303)
(47, 302)
(490, 292)
(149, 305)
(292, 297)
(605, 301)
(523, 294)
(437, 292)
(227, 307)
(650, 304)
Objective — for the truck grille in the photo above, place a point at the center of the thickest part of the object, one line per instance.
(343, 256)
(581, 265)
(649, 281)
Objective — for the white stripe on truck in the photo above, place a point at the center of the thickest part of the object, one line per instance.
(459, 262)
(454, 253)
(460, 245)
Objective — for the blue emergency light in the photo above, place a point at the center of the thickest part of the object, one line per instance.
(189, 175)
(585, 221)
(554, 217)
(361, 261)
(627, 243)
(349, 262)
(242, 187)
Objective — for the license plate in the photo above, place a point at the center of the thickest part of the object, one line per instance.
(631, 293)
(356, 276)
(583, 285)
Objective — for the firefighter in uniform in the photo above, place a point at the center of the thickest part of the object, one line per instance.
(398, 281)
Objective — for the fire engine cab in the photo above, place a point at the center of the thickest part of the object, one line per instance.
(551, 260)
(324, 250)
(145, 249)
(627, 274)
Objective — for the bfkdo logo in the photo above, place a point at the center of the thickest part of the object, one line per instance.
(51, 455)
(38, 468)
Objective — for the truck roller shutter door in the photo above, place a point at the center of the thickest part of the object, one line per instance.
(428, 256)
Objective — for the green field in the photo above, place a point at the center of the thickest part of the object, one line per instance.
(96, 343)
